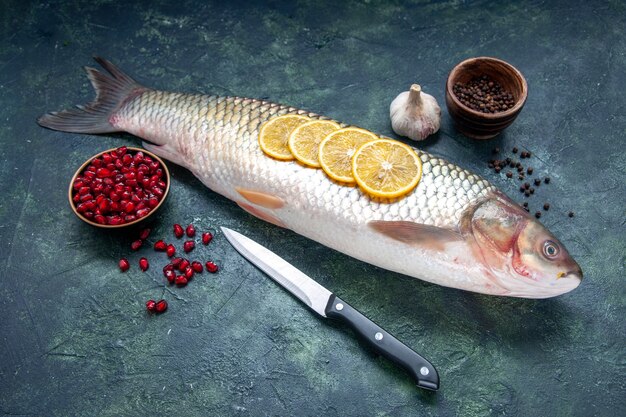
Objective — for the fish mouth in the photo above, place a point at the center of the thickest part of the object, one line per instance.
(534, 289)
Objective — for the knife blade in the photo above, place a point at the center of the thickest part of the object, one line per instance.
(328, 305)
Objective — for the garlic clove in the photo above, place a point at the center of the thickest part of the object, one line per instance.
(415, 114)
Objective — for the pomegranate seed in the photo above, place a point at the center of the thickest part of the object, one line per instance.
(115, 220)
(143, 264)
(168, 267)
(88, 214)
(178, 231)
(170, 275)
(127, 159)
(197, 266)
(107, 158)
(99, 218)
(190, 230)
(160, 306)
(142, 213)
(170, 250)
(150, 305)
(102, 173)
(206, 238)
(136, 244)
(144, 234)
(130, 218)
(189, 245)
(183, 265)
(153, 202)
(121, 151)
(160, 246)
(123, 264)
(211, 267)
(188, 272)
(181, 280)
(176, 261)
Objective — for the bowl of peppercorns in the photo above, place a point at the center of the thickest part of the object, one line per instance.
(484, 96)
(119, 187)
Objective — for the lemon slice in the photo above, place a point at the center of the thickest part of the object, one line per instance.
(304, 142)
(386, 168)
(275, 134)
(337, 149)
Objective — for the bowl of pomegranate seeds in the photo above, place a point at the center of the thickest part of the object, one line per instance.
(119, 187)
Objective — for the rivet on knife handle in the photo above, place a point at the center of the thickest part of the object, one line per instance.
(384, 343)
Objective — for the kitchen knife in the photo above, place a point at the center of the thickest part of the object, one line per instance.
(327, 304)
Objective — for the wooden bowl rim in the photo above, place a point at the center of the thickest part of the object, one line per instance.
(117, 226)
(488, 116)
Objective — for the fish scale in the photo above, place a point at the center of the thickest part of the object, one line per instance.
(454, 228)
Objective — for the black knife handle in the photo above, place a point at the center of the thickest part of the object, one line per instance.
(384, 343)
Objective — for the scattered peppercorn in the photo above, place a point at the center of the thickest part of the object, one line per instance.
(547, 180)
(509, 174)
(527, 154)
(525, 204)
(529, 170)
(546, 206)
(570, 214)
(526, 185)
(498, 169)
(537, 182)
(514, 150)
(521, 177)
(521, 189)
(526, 193)
(484, 95)
(537, 214)
(532, 190)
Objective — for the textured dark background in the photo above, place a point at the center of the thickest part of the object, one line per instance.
(74, 336)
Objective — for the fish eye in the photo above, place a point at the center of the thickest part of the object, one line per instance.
(550, 249)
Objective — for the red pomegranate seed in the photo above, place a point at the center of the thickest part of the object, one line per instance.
(136, 244)
(150, 305)
(99, 218)
(103, 173)
(181, 280)
(178, 231)
(124, 264)
(188, 272)
(183, 265)
(190, 230)
(160, 306)
(143, 264)
(168, 267)
(144, 234)
(176, 261)
(211, 267)
(130, 218)
(142, 213)
(160, 246)
(170, 250)
(189, 245)
(197, 266)
(121, 151)
(170, 275)
(115, 220)
(206, 238)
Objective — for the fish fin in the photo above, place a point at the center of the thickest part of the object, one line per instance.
(256, 212)
(261, 199)
(112, 90)
(429, 237)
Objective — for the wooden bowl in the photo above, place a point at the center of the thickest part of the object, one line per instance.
(166, 178)
(475, 124)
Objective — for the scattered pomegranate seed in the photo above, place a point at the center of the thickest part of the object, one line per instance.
(171, 250)
(136, 244)
(176, 261)
(211, 267)
(151, 305)
(183, 265)
(168, 267)
(124, 264)
(160, 246)
(181, 280)
(145, 232)
(188, 272)
(189, 245)
(160, 306)
(143, 264)
(206, 238)
(197, 266)
(170, 275)
(190, 230)
(178, 231)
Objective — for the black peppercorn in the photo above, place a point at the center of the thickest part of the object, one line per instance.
(546, 206)
(537, 214)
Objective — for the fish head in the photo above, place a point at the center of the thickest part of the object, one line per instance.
(521, 256)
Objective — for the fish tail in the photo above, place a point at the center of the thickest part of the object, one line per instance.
(113, 89)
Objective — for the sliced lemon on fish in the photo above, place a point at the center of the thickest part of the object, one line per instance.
(274, 135)
(304, 141)
(337, 149)
(386, 168)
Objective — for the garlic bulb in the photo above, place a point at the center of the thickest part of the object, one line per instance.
(415, 114)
